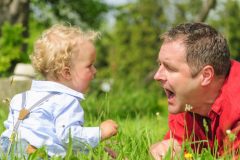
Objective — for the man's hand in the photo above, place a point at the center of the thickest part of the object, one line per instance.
(108, 129)
(160, 149)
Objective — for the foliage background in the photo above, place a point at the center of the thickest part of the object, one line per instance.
(129, 46)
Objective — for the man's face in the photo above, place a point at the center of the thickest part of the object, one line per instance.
(174, 74)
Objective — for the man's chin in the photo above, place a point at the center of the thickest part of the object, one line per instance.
(174, 109)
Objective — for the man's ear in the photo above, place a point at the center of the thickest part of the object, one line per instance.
(65, 73)
(207, 75)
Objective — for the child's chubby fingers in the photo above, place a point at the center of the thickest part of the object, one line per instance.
(112, 123)
(109, 128)
(115, 130)
(114, 127)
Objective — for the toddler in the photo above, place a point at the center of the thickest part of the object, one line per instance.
(49, 113)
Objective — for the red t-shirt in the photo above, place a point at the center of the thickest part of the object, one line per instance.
(224, 115)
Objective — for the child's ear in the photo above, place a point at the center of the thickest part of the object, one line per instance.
(65, 73)
(207, 75)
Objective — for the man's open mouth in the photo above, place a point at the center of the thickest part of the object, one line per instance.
(169, 93)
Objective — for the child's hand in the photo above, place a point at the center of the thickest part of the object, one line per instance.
(108, 129)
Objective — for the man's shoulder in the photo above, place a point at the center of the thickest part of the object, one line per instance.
(230, 107)
(231, 88)
(235, 67)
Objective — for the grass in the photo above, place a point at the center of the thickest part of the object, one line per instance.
(135, 113)
(142, 120)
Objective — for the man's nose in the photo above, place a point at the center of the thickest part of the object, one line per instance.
(160, 75)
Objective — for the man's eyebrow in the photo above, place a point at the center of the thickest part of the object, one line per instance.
(167, 64)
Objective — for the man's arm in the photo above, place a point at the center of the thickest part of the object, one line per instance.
(160, 149)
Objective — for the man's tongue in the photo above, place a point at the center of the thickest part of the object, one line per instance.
(170, 94)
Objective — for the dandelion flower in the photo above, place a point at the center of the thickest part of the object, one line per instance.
(188, 156)
(105, 87)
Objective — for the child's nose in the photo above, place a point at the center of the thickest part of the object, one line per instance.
(94, 70)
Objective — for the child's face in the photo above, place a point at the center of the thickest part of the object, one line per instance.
(82, 70)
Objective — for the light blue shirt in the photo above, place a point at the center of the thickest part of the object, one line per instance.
(50, 123)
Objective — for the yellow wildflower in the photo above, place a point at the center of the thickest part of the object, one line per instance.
(188, 156)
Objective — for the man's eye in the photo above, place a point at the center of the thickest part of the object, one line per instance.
(170, 68)
(166, 66)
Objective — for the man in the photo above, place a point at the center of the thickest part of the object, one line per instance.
(202, 88)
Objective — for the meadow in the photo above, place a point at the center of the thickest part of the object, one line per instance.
(142, 118)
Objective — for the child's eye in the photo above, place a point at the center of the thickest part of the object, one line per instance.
(91, 65)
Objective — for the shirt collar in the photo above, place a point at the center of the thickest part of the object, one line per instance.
(50, 86)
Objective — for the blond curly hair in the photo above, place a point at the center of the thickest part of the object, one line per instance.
(54, 49)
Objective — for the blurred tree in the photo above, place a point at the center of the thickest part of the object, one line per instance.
(14, 12)
(85, 13)
(133, 45)
(222, 14)
(134, 42)
(10, 42)
(226, 18)
(205, 9)
(192, 11)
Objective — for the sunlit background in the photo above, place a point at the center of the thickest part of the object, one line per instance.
(124, 88)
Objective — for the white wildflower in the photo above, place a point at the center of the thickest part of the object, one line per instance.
(188, 107)
(228, 131)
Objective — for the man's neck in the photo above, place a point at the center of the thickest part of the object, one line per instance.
(208, 98)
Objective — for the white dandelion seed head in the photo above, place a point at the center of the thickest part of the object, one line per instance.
(105, 87)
